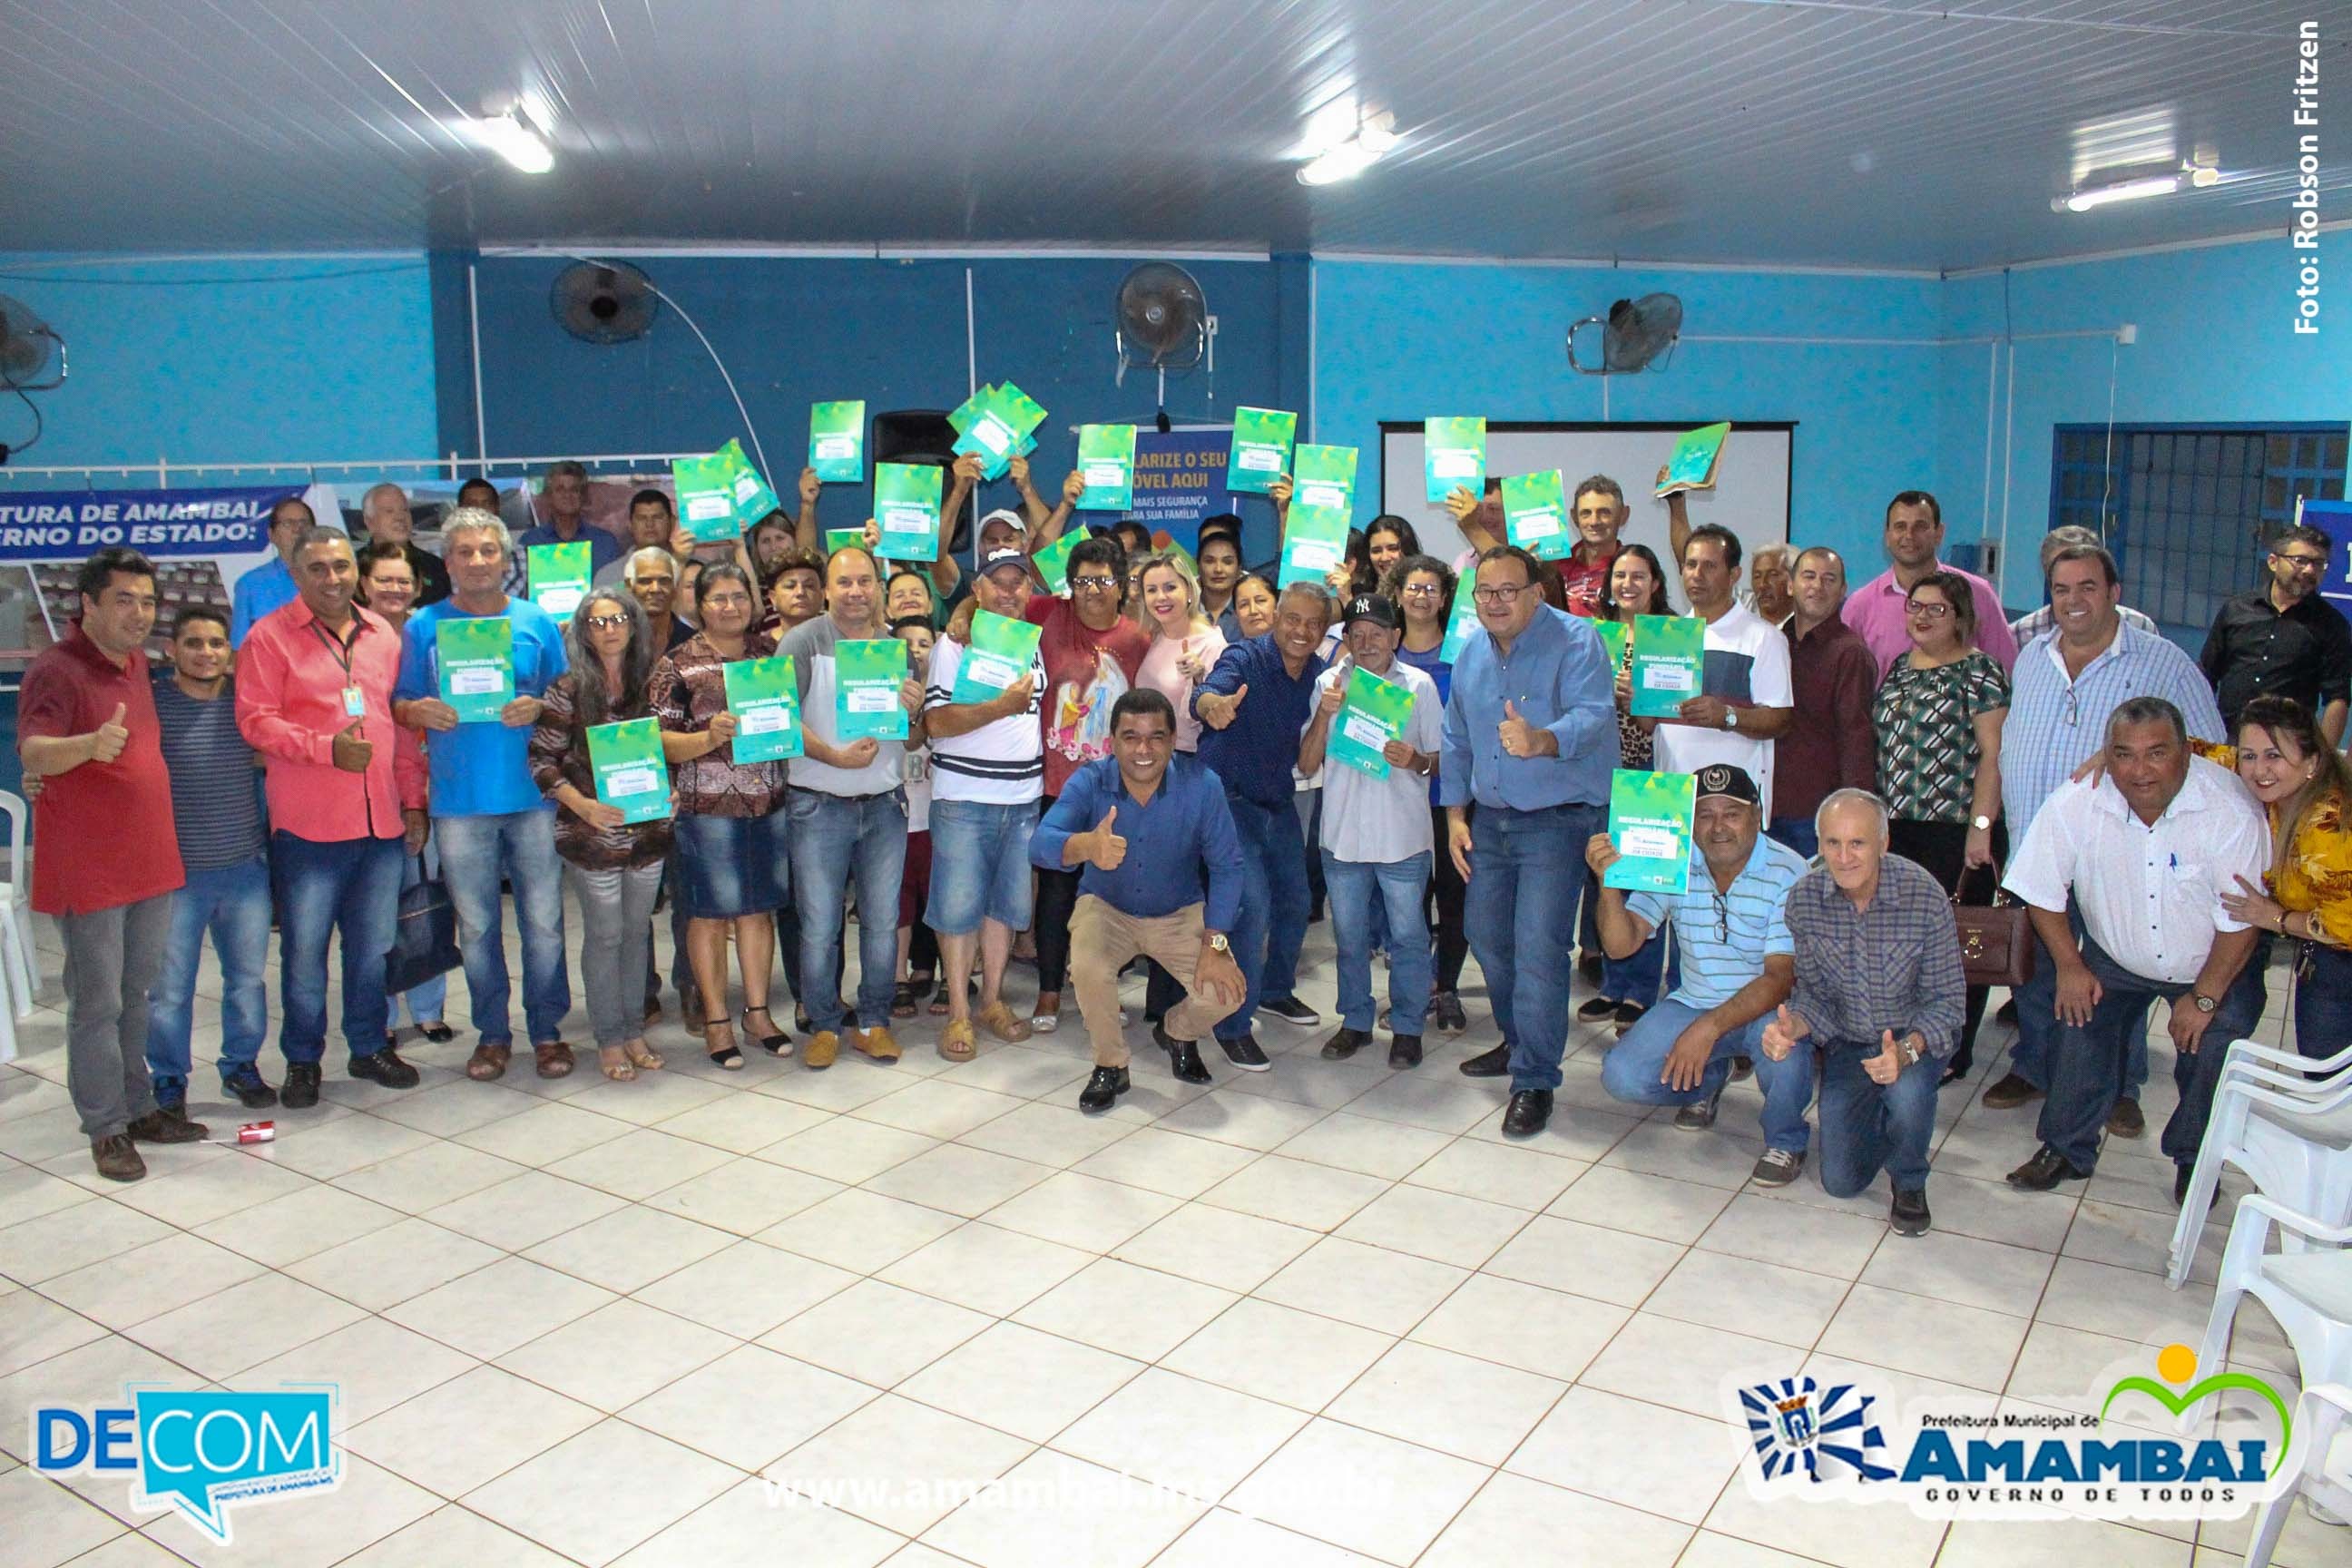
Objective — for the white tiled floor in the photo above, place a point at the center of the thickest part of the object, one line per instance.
(1317, 1317)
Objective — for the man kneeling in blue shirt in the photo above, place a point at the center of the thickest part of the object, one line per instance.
(1147, 824)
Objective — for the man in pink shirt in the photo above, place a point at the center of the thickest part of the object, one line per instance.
(346, 789)
(1914, 533)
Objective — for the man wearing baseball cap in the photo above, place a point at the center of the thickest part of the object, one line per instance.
(988, 772)
(1738, 963)
(1377, 839)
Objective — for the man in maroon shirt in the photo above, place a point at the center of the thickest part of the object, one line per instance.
(1833, 744)
(86, 725)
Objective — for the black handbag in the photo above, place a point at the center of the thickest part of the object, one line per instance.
(425, 941)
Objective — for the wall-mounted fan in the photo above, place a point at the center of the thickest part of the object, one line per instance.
(32, 359)
(604, 301)
(1635, 334)
(1160, 322)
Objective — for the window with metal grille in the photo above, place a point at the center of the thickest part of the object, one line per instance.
(2189, 509)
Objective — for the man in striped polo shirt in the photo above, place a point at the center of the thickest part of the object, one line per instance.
(1738, 964)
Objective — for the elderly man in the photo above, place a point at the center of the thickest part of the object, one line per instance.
(651, 573)
(2068, 683)
(270, 585)
(490, 816)
(1878, 994)
(346, 793)
(2034, 622)
(1253, 706)
(2169, 834)
(1161, 878)
(1831, 744)
(565, 486)
(385, 510)
(1737, 967)
(1915, 534)
(1530, 739)
(1771, 582)
(2283, 639)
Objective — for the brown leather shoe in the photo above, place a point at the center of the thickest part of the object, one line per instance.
(166, 1127)
(116, 1160)
(554, 1059)
(2013, 1089)
(488, 1062)
(876, 1043)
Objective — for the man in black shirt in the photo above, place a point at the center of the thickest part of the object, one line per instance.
(2284, 638)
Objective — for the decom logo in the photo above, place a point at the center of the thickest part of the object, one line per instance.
(198, 1453)
(2150, 1448)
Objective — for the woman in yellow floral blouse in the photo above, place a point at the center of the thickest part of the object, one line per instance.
(2307, 894)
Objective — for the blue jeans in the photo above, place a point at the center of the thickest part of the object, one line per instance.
(2323, 999)
(2038, 1027)
(350, 885)
(233, 903)
(1635, 979)
(427, 999)
(474, 851)
(1866, 1128)
(1631, 1071)
(1796, 833)
(1274, 896)
(833, 838)
(1526, 872)
(1358, 891)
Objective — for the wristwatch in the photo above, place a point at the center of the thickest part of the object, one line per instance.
(1217, 943)
(1910, 1050)
(1981, 824)
(2205, 1003)
(1731, 717)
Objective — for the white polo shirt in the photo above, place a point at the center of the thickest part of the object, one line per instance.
(2150, 896)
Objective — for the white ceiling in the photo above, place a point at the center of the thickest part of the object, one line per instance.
(1880, 132)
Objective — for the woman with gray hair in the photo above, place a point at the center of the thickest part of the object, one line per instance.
(614, 866)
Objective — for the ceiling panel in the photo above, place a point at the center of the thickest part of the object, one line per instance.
(1830, 132)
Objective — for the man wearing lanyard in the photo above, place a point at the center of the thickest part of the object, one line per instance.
(346, 787)
(1531, 739)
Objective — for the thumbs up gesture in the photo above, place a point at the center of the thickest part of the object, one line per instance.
(1105, 850)
(1887, 1065)
(353, 755)
(1781, 1034)
(1521, 738)
(1337, 693)
(1217, 712)
(106, 741)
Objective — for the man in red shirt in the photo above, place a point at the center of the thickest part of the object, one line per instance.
(1598, 511)
(86, 724)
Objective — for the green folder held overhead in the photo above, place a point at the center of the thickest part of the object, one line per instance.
(1323, 477)
(1000, 655)
(1000, 426)
(1534, 513)
(1260, 449)
(1374, 712)
(1107, 458)
(1315, 541)
(837, 441)
(964, 413)
(765, 697)
(1692, 466)
(1669, 662)
(1612, 634)
(752, 497)
(835, 538)
(706, 498)
(476, 655)
(558, 575)
(1461, 622)
(631, 773)
(1053, 561)
(906, 506)
(1453, 456)
(1650, 824)
(866, 676)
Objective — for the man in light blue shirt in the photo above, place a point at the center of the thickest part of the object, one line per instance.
(487, 813)
(1530, 742)
(269, 586)
(1740, 963)
(566, 489)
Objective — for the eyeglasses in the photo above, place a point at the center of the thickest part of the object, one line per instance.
(606, 623)
(1932, 612)
(1424, 590)
(2074, 707)
(2305, 563)
(1094, 584)
(1499, 595)
(1722, 918)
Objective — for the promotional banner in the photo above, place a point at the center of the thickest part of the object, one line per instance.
(1180, 479)
(2333, 518)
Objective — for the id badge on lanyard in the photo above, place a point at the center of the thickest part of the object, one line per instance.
(355, 702)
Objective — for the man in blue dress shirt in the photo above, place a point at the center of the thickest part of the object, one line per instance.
(269, 586)
(1530, 739)
(1163, 879)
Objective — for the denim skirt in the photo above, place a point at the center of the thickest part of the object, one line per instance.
(731, 865)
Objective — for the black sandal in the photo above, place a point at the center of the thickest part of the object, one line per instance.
(776, 1044)
(439, 1032)
(731, 1057)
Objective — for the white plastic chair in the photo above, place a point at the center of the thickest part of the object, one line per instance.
(2244, 1054)
(2319, 1416)
(2309, 1292)
(20, 967)
(2292, 1136)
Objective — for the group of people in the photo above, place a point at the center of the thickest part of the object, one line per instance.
(1173, 783)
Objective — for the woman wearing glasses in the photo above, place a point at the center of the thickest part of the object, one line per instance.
(730, 826)
(1423, 587)
(614, 866)
(1939, 715)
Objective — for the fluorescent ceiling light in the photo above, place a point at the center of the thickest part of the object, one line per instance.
(1345, 159)
(2121, 191)
(518, 143)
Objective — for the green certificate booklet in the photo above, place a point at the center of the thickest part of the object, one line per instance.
(1453, 456)
(475, 654)
(559, 576)
(1461, 622)
(766, 701)
(753, 500)
(1000, 422)
(1000, 654)
(1612, 635)
(1260, 449)
(906, 506)
(1650, 826)
(1692, 467)
(835, 538)
(1315, 541)
(865, 680)
(1373, 713)
(706, 497)
(1534, 513)
(837, 441)
(1323, 477)
(626, 758)
(1669, 656)
(1053, 561)
(1107, 458)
